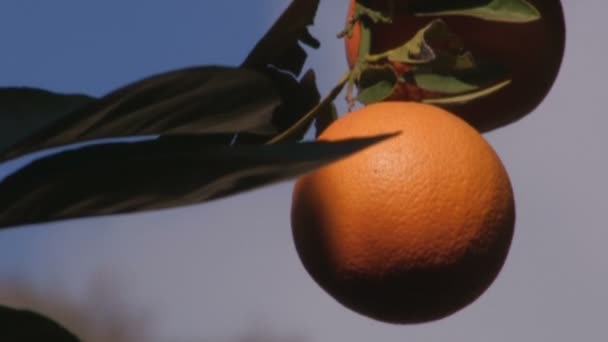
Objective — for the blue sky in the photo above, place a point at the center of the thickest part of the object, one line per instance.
(228, 269)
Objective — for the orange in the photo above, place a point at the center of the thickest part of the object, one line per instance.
(531, 53)
(409, 230)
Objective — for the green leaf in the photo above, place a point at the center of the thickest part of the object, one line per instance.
(464, 61)
(170, 171)
(325, 118)
(364, 10)
(434, 60)
(298, 99)
(280, 46)
(207, 99)
(253, 100)
(473, 79)
(415, 50)
(443, 84)
(25, 110)
(363, 13)
(375, 84)
(435, 44)
(462, 76)
(510, 11)
(468, 97)
(23, 325)
(305, 120)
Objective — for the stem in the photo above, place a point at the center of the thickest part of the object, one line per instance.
(304, 120)
(350, 99)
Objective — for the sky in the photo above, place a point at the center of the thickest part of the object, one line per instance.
(227, 270)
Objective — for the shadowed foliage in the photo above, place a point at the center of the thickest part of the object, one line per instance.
(23, 325)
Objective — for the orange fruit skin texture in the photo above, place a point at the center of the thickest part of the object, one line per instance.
(409, 230)
(531, 52)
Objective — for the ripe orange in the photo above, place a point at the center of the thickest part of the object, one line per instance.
(531, 52)
(411, 229)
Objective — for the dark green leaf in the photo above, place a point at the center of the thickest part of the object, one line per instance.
(447, 101)
(465, 80)
(298, 99)
(252, 101)
(325, 118)
(364, 11)
(280, 46)
(376, 84)
(305, 120)
(211, 99)
(417, 49)
(443, 84)
(27, 326)
(26, 110)
(147, 175)
(434, 44)
(434, 60)
(511, 11)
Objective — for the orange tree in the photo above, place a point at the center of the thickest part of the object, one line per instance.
(214, 131)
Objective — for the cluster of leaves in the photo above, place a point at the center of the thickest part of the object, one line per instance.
(202, 133)
(206, 132)
(433, 66)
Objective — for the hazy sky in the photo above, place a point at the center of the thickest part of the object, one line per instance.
(228, 270)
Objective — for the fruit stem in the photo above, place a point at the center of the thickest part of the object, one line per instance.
(304, 120)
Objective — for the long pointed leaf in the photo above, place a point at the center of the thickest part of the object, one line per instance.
(166, 172)
(25, 110)
(210, 99)
(510, 11)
